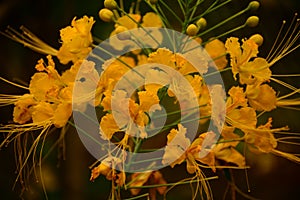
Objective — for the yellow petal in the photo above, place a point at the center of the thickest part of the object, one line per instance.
(216, 49)
(138, 179)
(23, 109)
(42, 112)
(108, 126)
(62, 114)
(147, 99)
(229, 154)
(243, 118)
(261, 97)
(150, 19)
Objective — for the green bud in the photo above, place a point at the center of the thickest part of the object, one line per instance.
(254, 5)
(106, 15)
(192, 30)
(252, 21)
(110, 4)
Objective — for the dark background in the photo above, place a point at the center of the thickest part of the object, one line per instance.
(270, 177)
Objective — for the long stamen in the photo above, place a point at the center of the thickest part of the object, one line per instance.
(287, 44)
(29, 40)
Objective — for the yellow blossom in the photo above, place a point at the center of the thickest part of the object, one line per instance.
(261, 140)
(244, 61)
(243, 118)
(217, 51)
(76, 40)
(107, 168)
(42, 112)
(148, 178)
(150, 19)
(261, 97)
(23, 109)
(237, 98)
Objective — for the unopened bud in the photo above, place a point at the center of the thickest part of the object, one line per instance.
(252, 21)
(106, 15)
(254, 5)
(192, 30)
(110, 4)
(121, 33)
(201, 23)
(258, 39)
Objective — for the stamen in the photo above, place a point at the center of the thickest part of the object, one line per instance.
(6, 100)
(287, 42)
(29, 40)
(14, 84)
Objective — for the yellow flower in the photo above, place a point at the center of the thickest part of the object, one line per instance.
(43, 111)
(130, 21)
(176, 145)
(180, 149)
(217, 51)
(237, 98)
(261, 140)
(23, 109)
(176, 61)
(242, 118)
(148, 178)
(150, 19)
(244, 61)
(107, 168)
(261, 97)
(131, 119)
(76, 40)
(108, 126)
(62, 114)
(227, 152)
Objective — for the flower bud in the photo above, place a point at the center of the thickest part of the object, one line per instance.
(110, 4)
(257, 38)
(252, 21)
(121, 33)
(106, 15)
(201, 23)
(254, 5)
(192, 30)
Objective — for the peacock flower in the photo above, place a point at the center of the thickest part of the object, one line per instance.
(23, 109)
(107, 168)
(244, 61)
(261, 97)
(217, 51)
(132, 119)
(76, 40)
(148, 178)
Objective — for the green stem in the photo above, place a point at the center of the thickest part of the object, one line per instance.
(216, 72)
(223, 22)
(171, 11)
(171, 184)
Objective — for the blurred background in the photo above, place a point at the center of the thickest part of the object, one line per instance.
(270, 177)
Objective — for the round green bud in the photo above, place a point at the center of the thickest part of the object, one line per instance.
(201, 23)
(192, 30)
(110, 4)
(252, 21)
(254, 5)
(106, 15)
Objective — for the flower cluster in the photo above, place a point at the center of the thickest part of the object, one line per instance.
(157, 93)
